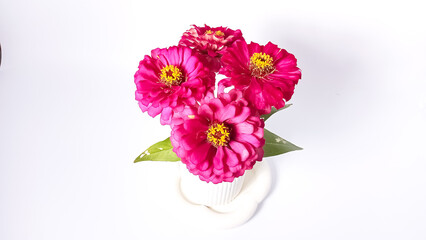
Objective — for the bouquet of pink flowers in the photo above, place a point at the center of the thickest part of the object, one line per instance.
(218, 137)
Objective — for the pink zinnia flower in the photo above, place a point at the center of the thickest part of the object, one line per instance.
(220, 139)
(266, 74)
(169, 79)
(210, 42)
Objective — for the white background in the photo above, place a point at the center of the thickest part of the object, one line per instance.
(70, 127)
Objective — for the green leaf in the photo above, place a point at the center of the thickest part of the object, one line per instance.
(275, 145)
(161, 151)
(273, 111)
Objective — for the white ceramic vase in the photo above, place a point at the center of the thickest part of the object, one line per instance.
(209, 194)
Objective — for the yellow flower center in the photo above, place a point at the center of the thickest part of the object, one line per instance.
(219, 33)
(261, 64)
(209, 32)
(171, 75)
(218, 134)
